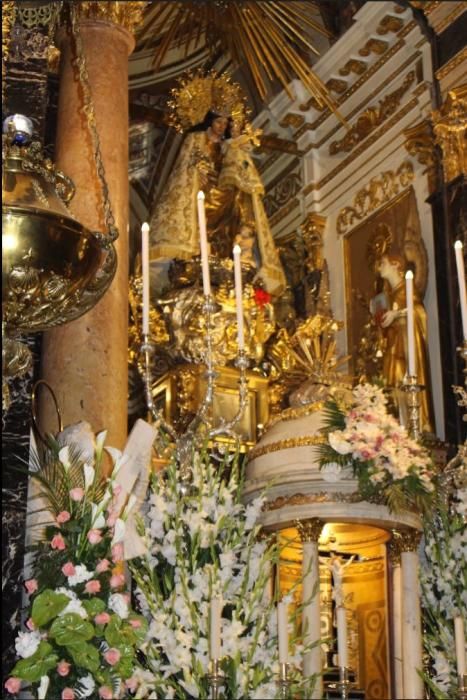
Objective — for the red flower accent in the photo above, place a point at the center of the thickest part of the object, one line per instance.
(262, 297)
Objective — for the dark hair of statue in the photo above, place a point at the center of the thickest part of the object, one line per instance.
(209, 117)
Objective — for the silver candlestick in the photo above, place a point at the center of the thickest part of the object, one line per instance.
(344, 683)
(215, 679)
(413, 388)
(283, 682)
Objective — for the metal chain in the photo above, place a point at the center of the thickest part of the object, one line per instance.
(90, 114)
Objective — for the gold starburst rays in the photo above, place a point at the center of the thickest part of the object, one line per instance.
(271, 38)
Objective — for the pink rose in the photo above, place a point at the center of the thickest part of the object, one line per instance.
(93, 586)
(30, 624)
(136, 624)
(117, 580)
(117, 489)
(105, 692)
(94, 536)
(31, 585)
(112, 656)
(76, 494)
(102, 618)
(13, 685)
(68, 569)
(117, 552)
(131, 683)
(102, 566)
(68, 694)
(58, 542)
(63, 668)
(111, 520)
(63, 517)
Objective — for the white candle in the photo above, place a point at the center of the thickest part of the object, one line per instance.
(145, 273)
(215, 628)
(283, 632)
(237, 251)
(412, 367)
(460, 645)
(341, 619)
(203, 243)
(459, 248)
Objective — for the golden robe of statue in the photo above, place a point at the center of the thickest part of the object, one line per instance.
(233, 201)
(395, 330)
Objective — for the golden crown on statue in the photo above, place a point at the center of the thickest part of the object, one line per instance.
(198, 93)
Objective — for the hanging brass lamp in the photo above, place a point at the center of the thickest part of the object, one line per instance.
(53, 268)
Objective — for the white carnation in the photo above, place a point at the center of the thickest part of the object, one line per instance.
(27, 643)
(81, 574)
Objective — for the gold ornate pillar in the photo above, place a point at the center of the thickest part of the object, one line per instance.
(412, 662)
(394, 557)
(86, 361)
(420, 143)
(309, 531)
(450, 130)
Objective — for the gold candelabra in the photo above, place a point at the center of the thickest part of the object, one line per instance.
(215, 679)
(284, 682)
(462, 687)
(413, 388)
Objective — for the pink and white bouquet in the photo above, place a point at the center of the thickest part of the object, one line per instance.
(81, 634)
(390, 466)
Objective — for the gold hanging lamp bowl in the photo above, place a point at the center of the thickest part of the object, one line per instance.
(53, 268)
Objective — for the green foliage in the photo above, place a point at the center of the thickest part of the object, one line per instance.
(47, 605)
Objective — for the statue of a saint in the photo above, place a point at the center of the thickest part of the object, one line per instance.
(216, 157)
(337, 568)
(394, 323)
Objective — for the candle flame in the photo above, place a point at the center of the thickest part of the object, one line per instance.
(145, 227)
(409, 275)
(237, 250)
(458, 245)
(200, 194)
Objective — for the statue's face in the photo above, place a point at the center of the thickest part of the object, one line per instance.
(219, 125)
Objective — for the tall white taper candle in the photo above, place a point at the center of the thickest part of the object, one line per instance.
(460, 645)
(283, 632)
(145, 274)
(215, 628)
(203, 244)
(412, 367)
(459, 249)
(341, 620)
(237, 251)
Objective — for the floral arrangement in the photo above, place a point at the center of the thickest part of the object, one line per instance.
(443, 578)
(82, 634)
(390, 466)
(202, 543)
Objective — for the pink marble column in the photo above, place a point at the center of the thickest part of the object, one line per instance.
(86, 361)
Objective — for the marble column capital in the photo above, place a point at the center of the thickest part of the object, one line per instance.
(309, 529)
(404, 541)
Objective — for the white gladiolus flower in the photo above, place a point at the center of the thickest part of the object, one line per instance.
(64, 457)
(97, 517)
(43, 688)
(89, 474)
(27, 643)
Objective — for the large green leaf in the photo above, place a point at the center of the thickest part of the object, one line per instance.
(71, 629)
(37, 665)
(85, 655)
(118, 633)
(94, 606)
(48, 605)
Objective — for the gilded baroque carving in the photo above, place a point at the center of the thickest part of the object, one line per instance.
(372, 117)
(337, 85)
(420, 143)
(8, 20)
(41, 16)
(394, 551)
(379, 190)
(126, 14)
(450, 129)
(452, 64)
(286, 444)
(293, 120)
(353, 66)
(301, 499)
(299, 412)
(287, 188)
(377, 46)
(309, 530)
(389, 23)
